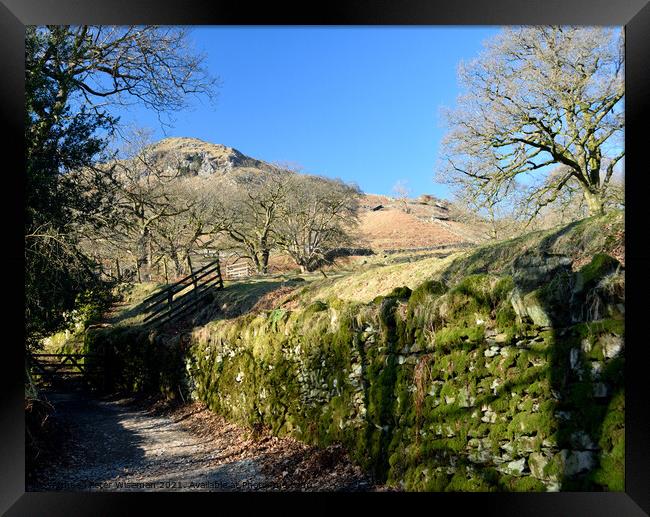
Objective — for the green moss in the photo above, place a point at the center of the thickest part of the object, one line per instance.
(542, 423)
(453, 336)
(277, 315)
(595, 328)
(401, 293)
(589, 275)
(463, 482)
(610, 474)
(502, 289)
(317, 306)
(425, 289)
(554, 468)
(136, 361)
(506, 318)
(435, 482)
(477, 287)
(456, 444)
(524, 484)
(500, 404)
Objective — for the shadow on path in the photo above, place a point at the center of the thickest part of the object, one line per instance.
(96, 448)
(112, 446)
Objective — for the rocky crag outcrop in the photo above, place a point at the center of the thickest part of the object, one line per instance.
(195, 157)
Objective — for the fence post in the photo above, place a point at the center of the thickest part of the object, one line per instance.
(219, 271)
(189, 263)
(170, 298)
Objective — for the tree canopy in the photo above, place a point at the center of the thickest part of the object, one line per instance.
(74, 76)
(539, 98)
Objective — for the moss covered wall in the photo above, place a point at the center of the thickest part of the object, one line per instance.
(135, 360)
(438, 389)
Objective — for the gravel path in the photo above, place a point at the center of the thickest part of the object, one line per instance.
(116, 445)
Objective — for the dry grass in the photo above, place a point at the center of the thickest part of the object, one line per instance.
(393, 229)
(377, 279)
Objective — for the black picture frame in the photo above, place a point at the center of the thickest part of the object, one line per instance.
(633, 14)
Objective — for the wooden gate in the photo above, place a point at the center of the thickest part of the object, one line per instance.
(61, 369)
(238, 271)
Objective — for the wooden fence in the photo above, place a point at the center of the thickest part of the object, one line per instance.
(241, 270)
(177, 299)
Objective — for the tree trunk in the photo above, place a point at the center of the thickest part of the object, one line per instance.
(179, 270)
(595, 202)
(144, 255)
(256, 262)
(265, 262)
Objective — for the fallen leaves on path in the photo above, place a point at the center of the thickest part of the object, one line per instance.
(127, 444)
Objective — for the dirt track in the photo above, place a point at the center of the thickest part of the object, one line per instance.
(114, 445)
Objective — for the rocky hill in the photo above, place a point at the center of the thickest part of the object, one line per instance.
(199, 158)
(386, 223)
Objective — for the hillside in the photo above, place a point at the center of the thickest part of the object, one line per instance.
(392, 228)
(385, 223)
(568, 248)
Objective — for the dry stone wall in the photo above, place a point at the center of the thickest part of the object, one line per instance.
(437, 389)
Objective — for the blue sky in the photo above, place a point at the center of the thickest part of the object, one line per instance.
(361, 104)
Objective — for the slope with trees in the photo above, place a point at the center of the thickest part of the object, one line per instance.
(318, 216)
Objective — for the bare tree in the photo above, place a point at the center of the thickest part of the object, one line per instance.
(74, 75)
(317, 217)
(492, 213)
(107, 65)
(553, 207)
(537, 97)
(250, 213)
(402, 193)
(178, 236)
(158, 214)
(148, 195)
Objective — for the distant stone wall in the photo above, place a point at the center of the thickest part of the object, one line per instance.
(347, 252)
(457, 245)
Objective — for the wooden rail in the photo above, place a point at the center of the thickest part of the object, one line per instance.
(175, 300)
